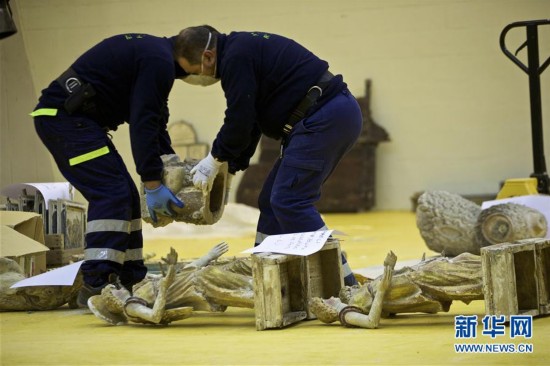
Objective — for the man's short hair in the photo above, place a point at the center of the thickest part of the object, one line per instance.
(191, 41)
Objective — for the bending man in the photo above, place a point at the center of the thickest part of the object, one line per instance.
(277, 88)
(123, 78)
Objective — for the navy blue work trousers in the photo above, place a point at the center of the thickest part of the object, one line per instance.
(311, 153)
(114, 241)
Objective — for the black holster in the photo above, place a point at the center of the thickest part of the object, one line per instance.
(80, 95)
(314, 93)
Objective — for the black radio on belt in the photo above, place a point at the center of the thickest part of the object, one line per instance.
(79, 93)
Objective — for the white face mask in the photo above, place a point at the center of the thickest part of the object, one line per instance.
(203, 80)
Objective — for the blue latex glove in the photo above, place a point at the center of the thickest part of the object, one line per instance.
(158, 201)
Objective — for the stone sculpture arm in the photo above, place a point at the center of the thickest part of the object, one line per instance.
(214, 253)
(135, 307)
(334, 309)
(352, 316)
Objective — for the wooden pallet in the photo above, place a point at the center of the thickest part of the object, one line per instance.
(283, 284)
(516, 277)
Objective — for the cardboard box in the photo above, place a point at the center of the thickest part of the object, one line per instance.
(22, 239)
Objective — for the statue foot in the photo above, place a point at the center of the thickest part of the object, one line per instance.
(98, 306)
(323, 311)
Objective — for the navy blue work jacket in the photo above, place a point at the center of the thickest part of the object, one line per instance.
(132, 75)
(264, 77)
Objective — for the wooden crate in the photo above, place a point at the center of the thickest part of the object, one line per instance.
(54, 241)
(516, 277)
(279, 288)
(283, 284)
(58, 255)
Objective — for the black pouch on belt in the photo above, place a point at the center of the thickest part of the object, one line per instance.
(79, 93)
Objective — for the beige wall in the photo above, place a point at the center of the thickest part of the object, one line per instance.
(23, 157)
(456, 108)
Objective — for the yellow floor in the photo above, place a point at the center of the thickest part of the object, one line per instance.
(76, 337)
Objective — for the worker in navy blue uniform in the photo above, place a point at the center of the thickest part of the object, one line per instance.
(124, 78)
(275, 87)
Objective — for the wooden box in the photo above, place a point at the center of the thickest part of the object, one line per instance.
(59, 255)
(283, 284)
(516, 277)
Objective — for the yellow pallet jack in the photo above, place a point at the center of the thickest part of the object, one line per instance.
(539, 182)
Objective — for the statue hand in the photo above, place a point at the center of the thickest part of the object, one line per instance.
(172, 257)
(389, 264)
(390, 260)
(218, 250)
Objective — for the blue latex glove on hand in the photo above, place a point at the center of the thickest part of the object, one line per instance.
(205, 172)
(158, 201)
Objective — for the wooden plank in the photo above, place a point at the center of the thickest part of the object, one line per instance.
(259, 298)
(487, 282)
(315, 272)
(292, 317)
(543, 268)
(275, 286)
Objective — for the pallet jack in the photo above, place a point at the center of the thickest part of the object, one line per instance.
(539, 182)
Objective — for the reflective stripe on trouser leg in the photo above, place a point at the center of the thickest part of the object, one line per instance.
(133, 269)
(105, 182)
(89, 155)
(127, 227)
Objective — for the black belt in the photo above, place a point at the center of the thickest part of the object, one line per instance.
(311, 97)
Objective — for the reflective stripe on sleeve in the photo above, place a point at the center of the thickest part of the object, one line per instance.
(104, 254)
(89, 156)
(44, 112)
